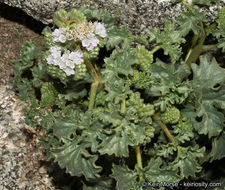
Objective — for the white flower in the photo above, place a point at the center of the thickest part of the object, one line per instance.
(62, 38)
(76, 57)
(100, 29)
(55, 56)
(69, 71)
(55, 48)
(50, 60)
(90, 42)
(67, 62)
(62, 65)
(55, 51)
(61, 35)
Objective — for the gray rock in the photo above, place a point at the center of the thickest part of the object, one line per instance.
(137, 15)
(17, 157)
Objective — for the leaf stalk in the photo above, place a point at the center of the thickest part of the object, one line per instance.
(164, 127)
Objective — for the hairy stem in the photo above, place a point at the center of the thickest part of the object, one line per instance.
(195, 52)
(155, 49)
(164, 127)
(139, 159)
(123, 106)
(91, 70)
(94, 87)
(166, 130)
(194, 41)
(209, 47)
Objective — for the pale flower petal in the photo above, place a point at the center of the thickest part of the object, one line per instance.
(100, 30)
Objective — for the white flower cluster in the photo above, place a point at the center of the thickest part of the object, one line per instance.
(61, 35)
(86, 33)
(90, 41)
(67, 61)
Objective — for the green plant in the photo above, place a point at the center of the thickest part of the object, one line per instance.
(117, 114)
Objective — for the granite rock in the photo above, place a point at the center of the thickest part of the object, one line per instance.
(137, 15)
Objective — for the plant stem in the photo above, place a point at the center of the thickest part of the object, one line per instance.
(123, 106)
(164, 127)
(93, 72)
(208, 47)
(138, 150)
(139, 159)
(94, 87)
(91, 69)
(166, 130)
(68, 22)
(195, 52)
(194, 40)
(155, 49)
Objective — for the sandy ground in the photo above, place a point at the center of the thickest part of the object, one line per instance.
(22, 163)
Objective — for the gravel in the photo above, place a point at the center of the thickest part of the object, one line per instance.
(19, 156)
(22, 163)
